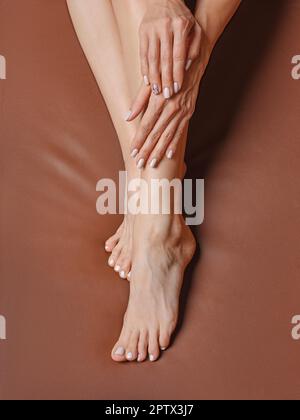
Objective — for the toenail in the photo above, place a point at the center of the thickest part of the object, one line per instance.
(111, 262)
(123, 275)
(107, 248)
(139, 359)
(129, 356)
(151, 358)
(129, 275)
(163, 348)
(117, 268)
(120, 351)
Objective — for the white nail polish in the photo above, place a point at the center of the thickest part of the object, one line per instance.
(107, 249)
(141, 163)
(153, 163)
(146, 80)
(123, 275)
(129, 356)
(120, 351)
(128, 115)
(111, 262)
(170, 154)
(167, 93)
(151, 358)
(139, 359)
(188, 64)
(163, 348)
(129, 275)
(117, 268)
(176, 87)
(134, 153)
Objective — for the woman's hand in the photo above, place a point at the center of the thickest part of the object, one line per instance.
(164, 122)
(170, 40)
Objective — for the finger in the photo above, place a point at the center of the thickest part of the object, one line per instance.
(178, 137)
(169, 114)
(195, 46)
(179, 59)
(154, 64)
(147, 123)
(167, 64)
(160, 150)
(139, 103)
(144, 45)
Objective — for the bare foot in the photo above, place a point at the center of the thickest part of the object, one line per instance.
(163, 248)
(120, 247)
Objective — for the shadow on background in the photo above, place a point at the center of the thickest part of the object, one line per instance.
(234, 63)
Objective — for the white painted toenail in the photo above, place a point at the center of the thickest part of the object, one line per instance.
(129, 356)
(151, 358)
(120, 351)
(123, 275)
(111, 262)
(163, 348)
(139, 359)
(117, 268)
(129, 275)
(107, 248)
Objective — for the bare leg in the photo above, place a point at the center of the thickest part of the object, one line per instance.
(109, 35)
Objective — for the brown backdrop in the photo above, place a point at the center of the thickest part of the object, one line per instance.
(63, 304)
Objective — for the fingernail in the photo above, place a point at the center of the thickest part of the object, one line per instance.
(141, 163)
(117, 268)
(151, 358)
(170, 154)
(120, 351)
(188, 64)
(163, 348)
(134, 153)
(111, 262)
(146, 80)
(128, 115)
(176, 87)
(167, 93)
(155, 89)
(123, 275)
(153, 163)
(129, 356)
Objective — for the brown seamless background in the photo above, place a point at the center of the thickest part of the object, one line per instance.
(63, 305)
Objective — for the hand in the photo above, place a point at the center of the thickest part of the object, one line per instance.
(170, 40)
(164, 122)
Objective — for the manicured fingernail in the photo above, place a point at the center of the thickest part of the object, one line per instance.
(170, 154)
(111, 262)
(134, 153)
(188, 64)
(146, 80)
(155, 89)
(141, 163)
(151, 358)
(167, 93)
(129, 356)
(176, 87)
(117, 268)
(120, 351)
(123, 275)
(153, 163)
(128, 115)
(163, 348)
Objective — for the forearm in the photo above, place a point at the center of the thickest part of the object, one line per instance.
(213, 17)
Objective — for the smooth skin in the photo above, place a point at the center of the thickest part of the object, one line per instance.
(109, 32)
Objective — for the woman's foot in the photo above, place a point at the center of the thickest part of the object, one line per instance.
(120, 247)
(163, 248)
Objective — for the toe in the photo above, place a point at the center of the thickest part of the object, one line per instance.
(112, 262)
(119, 351)
(143, 347)
(132, 348)
(164, 339)
(125, 264)
(112, 242)
(153, 346)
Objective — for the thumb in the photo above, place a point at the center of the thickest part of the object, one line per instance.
(140, 102)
